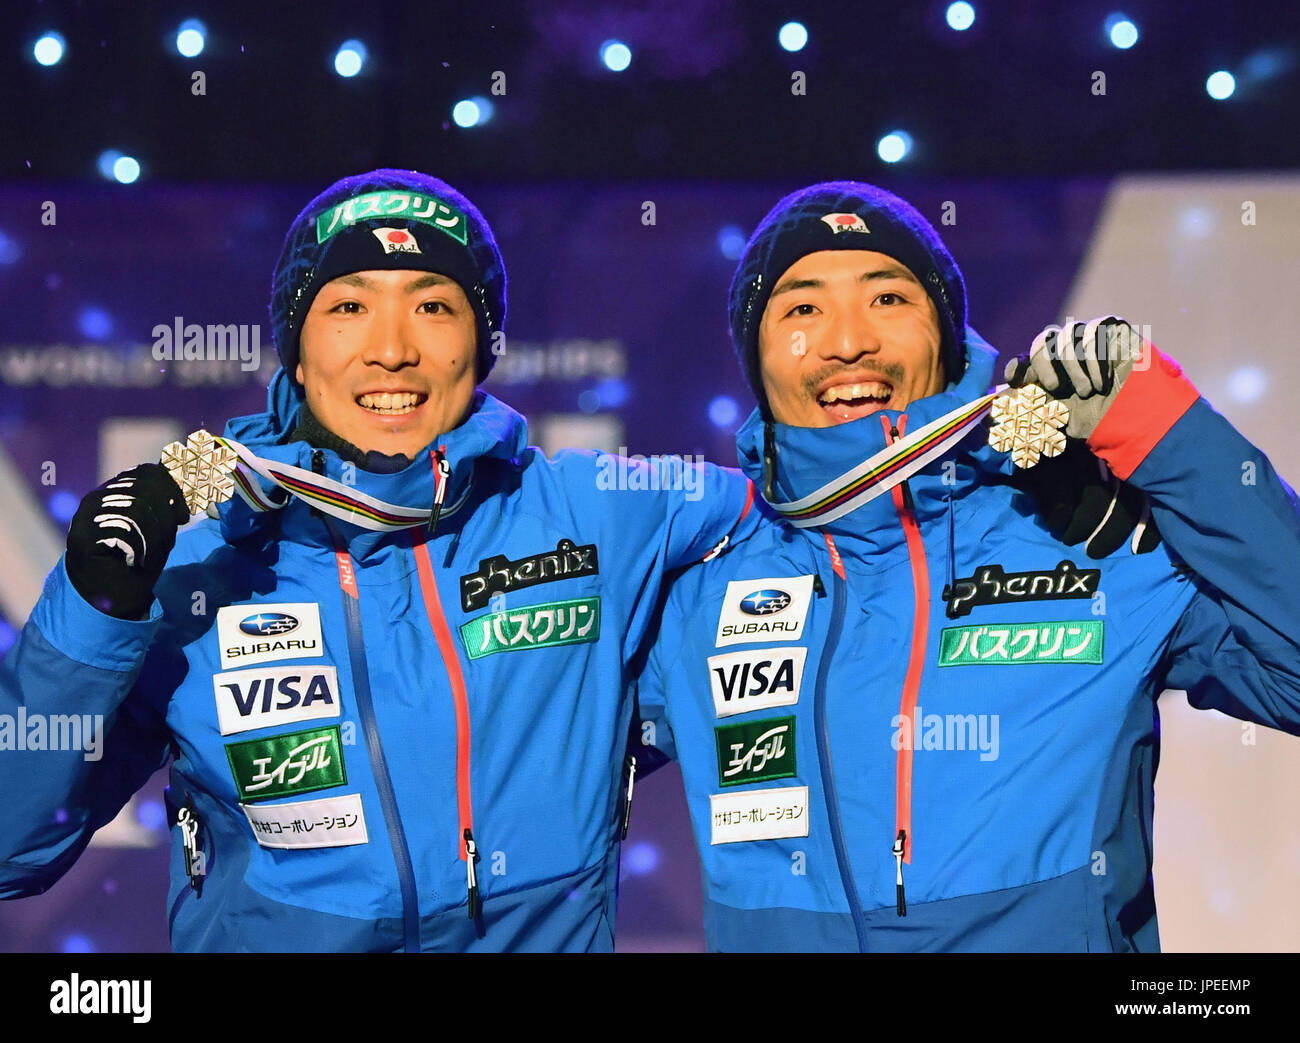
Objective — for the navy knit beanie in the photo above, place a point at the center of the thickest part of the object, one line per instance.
(844, 215)
(388, 219)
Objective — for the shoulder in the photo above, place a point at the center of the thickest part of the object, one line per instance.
(762, 546)
(200, 532)
(203, 560)
(571, 481)
(196, 542)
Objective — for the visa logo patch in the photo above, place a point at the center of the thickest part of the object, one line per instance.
(274, 695)
(261, 633)
(764, 610)
(756, 680)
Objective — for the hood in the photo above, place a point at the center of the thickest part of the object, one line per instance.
(809, 457)
(492, 430)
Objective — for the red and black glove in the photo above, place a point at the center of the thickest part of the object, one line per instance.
(1085, 364)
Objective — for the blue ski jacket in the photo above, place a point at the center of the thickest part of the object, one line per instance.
(929, 725)
(370, 730)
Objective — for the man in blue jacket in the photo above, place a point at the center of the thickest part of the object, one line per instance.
(391, 672)
(908, 717)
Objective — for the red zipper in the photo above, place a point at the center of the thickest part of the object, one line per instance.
(901, 846)
(466, 848)
(450, 660)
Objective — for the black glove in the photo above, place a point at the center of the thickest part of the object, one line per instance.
(120, 538)
(1082, 502)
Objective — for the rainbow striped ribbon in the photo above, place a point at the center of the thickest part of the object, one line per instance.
(881, 472)
(334, 498)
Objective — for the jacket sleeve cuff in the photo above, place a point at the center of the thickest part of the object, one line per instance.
(1151, 401)
(87, 636)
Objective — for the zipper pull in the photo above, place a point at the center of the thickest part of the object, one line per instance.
(907, 491)
(630, 762)
(718, 548)
(471, 877)
(818, 586)
(189, 823)
(318, 467)
(949, 592)
(442, 472)
(898, 883)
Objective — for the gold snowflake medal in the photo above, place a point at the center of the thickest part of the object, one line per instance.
(1028, 424)
(203, 466)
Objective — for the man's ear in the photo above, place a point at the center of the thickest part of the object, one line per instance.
(297, 375)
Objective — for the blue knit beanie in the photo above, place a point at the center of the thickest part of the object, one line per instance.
(844, 215)
(388, 219)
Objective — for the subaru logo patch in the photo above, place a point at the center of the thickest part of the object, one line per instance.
(264, 623)
(764, 602)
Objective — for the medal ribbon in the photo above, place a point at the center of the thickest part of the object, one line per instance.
(881, 472)
(334, 498)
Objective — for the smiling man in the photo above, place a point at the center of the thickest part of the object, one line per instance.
(816, 306)
(908, 716)
(369, 383)
(391, 673)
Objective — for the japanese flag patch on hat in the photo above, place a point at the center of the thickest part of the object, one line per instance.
(845, 223)
(396, 240)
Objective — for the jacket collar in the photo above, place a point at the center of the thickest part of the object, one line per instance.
(492, 431)
(807, 458)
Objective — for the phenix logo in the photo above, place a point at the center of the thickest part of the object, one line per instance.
(991, 586)
(498, 574)
(651, 473)
(180, 342)
(92, 996)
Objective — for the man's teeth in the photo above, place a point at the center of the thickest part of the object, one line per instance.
(848, 392)
(390, 402)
